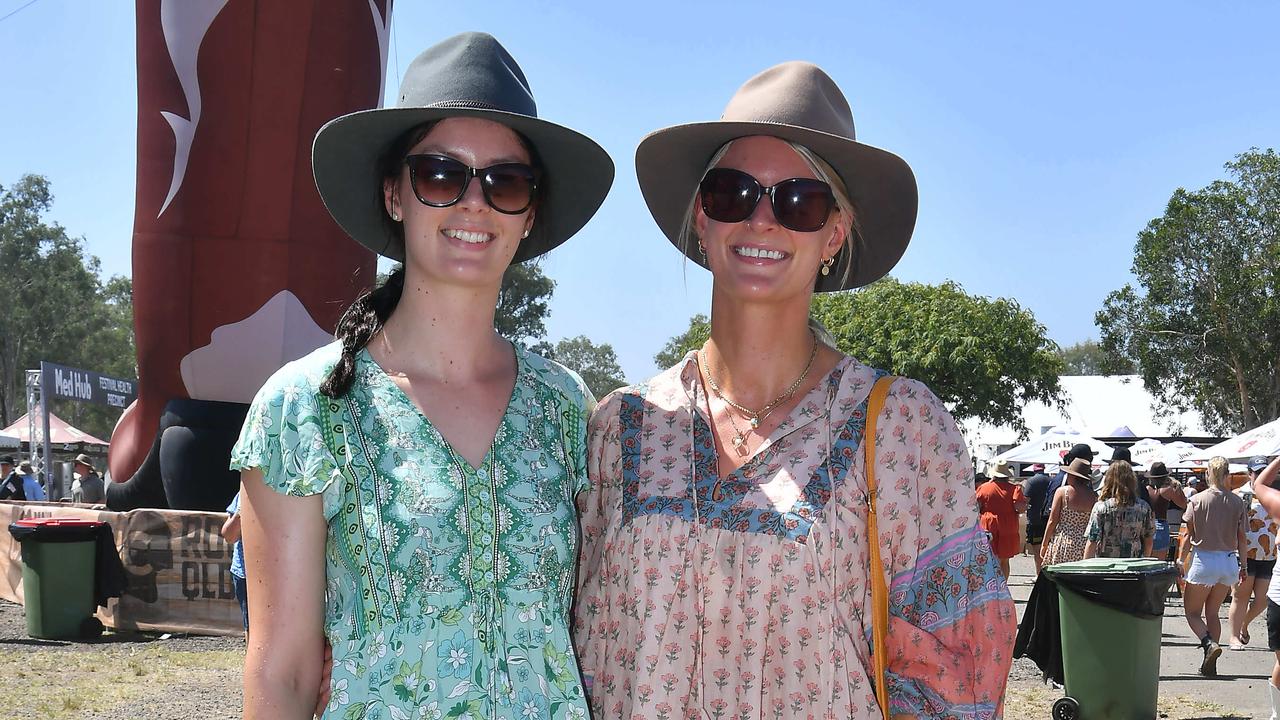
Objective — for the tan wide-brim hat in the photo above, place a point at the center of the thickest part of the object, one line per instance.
(468, 75)
(794, 101)
(1001, 470)
(85, 460)
(1080, 468)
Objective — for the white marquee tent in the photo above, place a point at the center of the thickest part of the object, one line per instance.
(1262, 440)
(1096, 405)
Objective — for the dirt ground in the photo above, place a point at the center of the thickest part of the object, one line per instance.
(126, 676)
(146, 676)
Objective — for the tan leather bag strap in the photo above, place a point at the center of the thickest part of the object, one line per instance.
(879, 588)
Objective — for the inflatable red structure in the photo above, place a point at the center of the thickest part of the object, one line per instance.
(237, 268)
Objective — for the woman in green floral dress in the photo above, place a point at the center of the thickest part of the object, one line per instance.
(409, 489)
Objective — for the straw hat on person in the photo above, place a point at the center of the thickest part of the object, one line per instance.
(797, 102)
(1001, 470)
(83, 459)
(1080, 468)
(467, 75)
(24, 468)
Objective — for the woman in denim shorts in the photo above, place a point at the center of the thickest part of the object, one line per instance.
(1216, 521)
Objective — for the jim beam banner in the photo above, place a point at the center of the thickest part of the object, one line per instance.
(177, 565)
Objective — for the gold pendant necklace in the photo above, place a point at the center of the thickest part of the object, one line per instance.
(755, 416)
(739, 438)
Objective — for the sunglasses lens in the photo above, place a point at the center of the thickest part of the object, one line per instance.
(437, 181)
(728, 196)
(509, 188)
(802, 205)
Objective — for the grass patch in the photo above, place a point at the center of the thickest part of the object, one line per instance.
(66, 684)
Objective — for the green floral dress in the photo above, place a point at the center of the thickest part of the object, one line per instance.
(448, 587)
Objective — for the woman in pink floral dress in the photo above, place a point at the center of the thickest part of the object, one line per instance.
(725, 566)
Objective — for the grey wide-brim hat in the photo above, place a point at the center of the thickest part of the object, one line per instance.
(467, 75)
(794, 101)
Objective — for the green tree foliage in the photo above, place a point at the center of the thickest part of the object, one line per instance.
(984, 358)
(1202, 320)
(523, 303)
(1088, 358)
(596, 364)
(680, 345)
(57, 309)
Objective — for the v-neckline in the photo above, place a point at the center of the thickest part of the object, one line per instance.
(462, 462)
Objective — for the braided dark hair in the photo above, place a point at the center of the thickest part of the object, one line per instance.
(358, 325)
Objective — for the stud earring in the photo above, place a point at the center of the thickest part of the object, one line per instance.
(826, 265)
(525, 235)
(395, 216)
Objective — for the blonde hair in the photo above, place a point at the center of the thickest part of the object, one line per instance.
(1217, 473)
(688, 237)
(1120, 483)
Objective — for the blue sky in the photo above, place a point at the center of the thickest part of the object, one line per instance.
(1043, 137)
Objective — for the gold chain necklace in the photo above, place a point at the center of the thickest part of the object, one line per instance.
(756, 416)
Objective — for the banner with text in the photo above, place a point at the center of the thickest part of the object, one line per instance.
(177, 565)
(87, 386)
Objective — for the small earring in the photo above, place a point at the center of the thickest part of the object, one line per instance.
(525, 235)
(826, 265)
(702, 250)
(395, 216)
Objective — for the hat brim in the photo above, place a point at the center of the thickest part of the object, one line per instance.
(576, 173)
(1076, 474)
(670, 163)
(1131, 463)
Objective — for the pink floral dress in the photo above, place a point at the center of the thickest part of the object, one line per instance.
(747, 596)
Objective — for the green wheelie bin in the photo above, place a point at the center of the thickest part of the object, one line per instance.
(58, 566)
(1110, 612)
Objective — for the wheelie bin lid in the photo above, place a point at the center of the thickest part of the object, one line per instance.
(1136, 586)
(1110, 565)
(55, 530)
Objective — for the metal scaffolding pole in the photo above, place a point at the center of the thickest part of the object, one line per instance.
(38, 450)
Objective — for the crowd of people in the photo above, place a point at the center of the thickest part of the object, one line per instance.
(19, 481)
(1218, 532)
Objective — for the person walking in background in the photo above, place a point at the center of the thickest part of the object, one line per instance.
(231, 533)
(1121, 525)
(1265, 492)
(1078, 451)
(87, 486)
(1000, 501)
(30, 483)
(1164, 498)
(1216, 522)
(1249, 598)
(1036, 490)
(1069, 515)
(11, 487)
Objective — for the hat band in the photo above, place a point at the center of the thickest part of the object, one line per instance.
(470, 105)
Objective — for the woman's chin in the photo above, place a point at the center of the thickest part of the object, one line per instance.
(762, 285)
